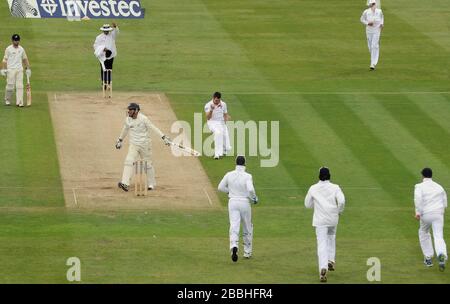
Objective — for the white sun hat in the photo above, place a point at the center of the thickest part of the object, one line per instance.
(106, 28)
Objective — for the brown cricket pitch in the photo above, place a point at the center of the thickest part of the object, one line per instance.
(86, 128)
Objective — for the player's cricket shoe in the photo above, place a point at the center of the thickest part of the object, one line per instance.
(323, 275)
(372, 67)
(7, 103)
(247, 255)
(441, 259)
(123, 187)
(428, 261)
(149, 188)
(331, 266)
(234, 256)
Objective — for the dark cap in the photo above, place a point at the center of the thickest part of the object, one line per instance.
(15, 37)
(324, 173)
(134, 106)
(427, 172)
(240, 160)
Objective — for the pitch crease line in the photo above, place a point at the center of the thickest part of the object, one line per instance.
(207, 195)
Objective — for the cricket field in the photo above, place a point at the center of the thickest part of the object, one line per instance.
(304, 64)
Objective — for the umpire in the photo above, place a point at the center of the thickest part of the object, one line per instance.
(105, 49)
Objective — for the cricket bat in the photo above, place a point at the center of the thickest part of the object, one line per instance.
(185, 149)
(28, 92)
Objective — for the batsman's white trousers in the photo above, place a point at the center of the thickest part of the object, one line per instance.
(326, 245)
(435, 221)
(240, 209)
(221, 137)
(373, 42)
(14, 79)
(135, 153)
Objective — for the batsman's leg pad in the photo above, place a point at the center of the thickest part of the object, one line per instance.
(128, 165)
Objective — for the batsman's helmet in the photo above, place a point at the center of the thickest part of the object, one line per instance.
(15, 37)
(134, 106)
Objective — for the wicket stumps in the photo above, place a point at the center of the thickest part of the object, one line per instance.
(140, 178)
(107, 83)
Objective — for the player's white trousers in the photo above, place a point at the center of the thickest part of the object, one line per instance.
(14, 79)
(135, 153)
(221, 137)
(373, 42)
(434, 221)
(326, 245)
(240, 210)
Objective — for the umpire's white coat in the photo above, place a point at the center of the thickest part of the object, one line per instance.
(328, 202)
(239, 186)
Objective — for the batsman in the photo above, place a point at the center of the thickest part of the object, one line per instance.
(139, 126)
(12, 68)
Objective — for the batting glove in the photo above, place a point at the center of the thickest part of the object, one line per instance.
(255, 200)
(119, 144)
(167, 140)
(28, 72)
(3, 72)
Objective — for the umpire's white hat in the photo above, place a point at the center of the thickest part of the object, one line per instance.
(106, 28)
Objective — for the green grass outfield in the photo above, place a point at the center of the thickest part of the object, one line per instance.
(303, 63)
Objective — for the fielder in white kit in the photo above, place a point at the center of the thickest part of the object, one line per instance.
(373, 19)
(217, 115)
(430, 201)
(239, 186)
(12, 67)
(139, 126)
(328, 201)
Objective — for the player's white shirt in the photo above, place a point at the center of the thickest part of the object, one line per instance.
(238, 184)
(218, 112)
(429, 197)
(14, 56)
(372, 16)
(103, 41)
(139, 130)
(328, 202)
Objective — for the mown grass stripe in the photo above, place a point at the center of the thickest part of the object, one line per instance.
(400, 141)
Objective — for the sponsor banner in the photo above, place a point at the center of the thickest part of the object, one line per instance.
(84, 9)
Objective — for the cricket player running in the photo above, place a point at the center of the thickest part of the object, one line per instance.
(139, 126)
(239, 186)
(217, 115)
(328, 203)
(373, 19)
(12, 67)
(430, 201)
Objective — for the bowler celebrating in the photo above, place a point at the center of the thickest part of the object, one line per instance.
(217, 115)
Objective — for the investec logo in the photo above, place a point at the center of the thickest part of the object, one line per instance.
(90, 8)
